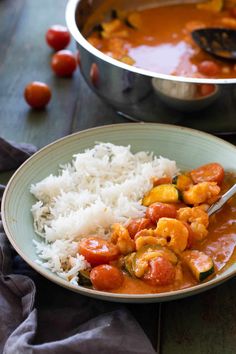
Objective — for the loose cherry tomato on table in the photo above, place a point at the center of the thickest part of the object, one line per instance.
(96, 250)
(209, 68)
(136, 225)
(37, 94)
(64, 63)
(160, 210)
(106, 277)
(58, 37)
(161, 272)
(211, 172)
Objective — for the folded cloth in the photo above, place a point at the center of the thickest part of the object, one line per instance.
(38, 316)
(12, 154)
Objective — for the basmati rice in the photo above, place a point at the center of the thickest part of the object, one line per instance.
(101, 186)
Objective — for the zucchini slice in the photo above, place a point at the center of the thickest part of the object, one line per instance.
(164, 193)
(84, 278)
(129, 263)
(200, 264)
(182, 182)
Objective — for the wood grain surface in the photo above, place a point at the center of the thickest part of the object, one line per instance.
(203, 324)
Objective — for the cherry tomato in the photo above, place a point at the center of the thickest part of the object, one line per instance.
(37, 94)
(58, 37)
(162, 180)
(98, 251)
(211, 172)
(106, 277)
(160, 210)
(209, 68)
(161, 272)
(136, 225)
(64, 63)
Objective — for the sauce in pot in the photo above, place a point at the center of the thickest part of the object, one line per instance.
(159, 39)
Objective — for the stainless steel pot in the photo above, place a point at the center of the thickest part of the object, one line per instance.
(144, 95)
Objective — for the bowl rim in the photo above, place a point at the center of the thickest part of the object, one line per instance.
(70, 13)
(139, 298)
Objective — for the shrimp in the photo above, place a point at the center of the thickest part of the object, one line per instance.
(201, 193)
(175, 233)
(198, 220)
(120, 237)
(149, 240)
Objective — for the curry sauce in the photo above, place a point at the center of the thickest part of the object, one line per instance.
(159, 39)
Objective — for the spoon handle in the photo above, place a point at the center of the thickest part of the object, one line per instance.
(216, 206)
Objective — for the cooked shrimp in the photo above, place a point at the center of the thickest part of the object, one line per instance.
(149, 240)
(120, 237)
(175, 233)
(201, 193)
(142, 261)
(198, 220)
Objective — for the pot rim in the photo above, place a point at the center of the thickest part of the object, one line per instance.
(70, 12)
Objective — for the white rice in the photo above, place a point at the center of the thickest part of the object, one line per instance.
(101, 186)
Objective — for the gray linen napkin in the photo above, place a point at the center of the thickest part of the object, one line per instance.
(38, 316)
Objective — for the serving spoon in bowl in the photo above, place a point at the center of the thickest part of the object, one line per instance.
(223, 199)
(220, 42)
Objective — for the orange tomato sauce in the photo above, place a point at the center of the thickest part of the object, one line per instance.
(161, 41)
(219, 244)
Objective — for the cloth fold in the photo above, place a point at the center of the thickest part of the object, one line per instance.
(13, 155)
(38, 316)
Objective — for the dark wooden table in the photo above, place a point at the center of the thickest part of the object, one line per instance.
(205, 323)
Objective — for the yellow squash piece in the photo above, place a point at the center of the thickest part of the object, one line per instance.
(164, 193)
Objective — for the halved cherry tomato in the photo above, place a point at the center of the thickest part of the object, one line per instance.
(162, 180)
(58, 37)
(37, 94)
(159, 210)
(96, 250)
(106, 277)
(211, 172)
(161, 272)
(136, 225)
(64, 63)
(209, 68)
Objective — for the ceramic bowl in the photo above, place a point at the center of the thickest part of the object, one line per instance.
(188, 147)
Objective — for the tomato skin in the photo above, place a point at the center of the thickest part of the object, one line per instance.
(211, 172)
(209, 68)
(37, 94)
(97, 250)
(106, 277)
(161, 272)
(64, 63)
(159, 210)
(57, 37)
(136, 225)
(162, 180)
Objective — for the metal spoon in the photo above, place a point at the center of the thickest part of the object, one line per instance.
(220, 42)
(216, 206)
